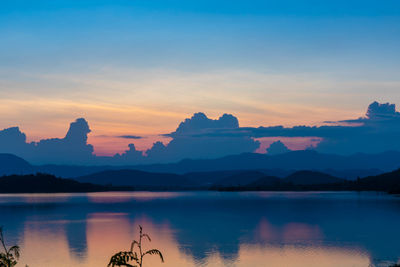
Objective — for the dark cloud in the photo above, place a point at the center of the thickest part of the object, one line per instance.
(200, 124)
(72, 149)
(276, 148)
(129, 156)
(13, 141)
(121, 136)
(201, 137)
(129, 136)
(377, 131)
(197, 137)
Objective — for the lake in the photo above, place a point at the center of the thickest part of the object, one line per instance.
(209, 229)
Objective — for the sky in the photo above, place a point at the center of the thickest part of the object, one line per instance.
(132, 67)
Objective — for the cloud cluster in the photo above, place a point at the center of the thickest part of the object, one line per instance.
(276, 148)
(192, 140)
(199, 124)
(202, 137)
(72, 149)
(378, 131)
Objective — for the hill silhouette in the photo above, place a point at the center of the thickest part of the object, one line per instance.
(298, 181)
(138, 179)
(294, 160)
(318, 181)
(348, 167)
(312, 177)
(45, 183)
(389, 182)
(128, 180)
(240, 178)
(267, 182)
(11, 164)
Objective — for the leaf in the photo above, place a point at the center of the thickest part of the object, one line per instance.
(122, 259)
(155, 252)
(133, 245)
(148, 237)
(15, 250)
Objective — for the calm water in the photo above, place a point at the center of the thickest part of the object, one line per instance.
(206, 228)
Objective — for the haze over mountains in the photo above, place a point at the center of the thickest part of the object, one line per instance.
(349, 167)
(200, 137)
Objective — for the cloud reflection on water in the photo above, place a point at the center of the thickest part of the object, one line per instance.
(207, 229)
(106, 233)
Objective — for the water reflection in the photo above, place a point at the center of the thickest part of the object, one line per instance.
(206, 229)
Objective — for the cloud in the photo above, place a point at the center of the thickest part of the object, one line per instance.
(129, 156)
(382, 111)
(277, 148)
(13, 141)
(376, 132)
(202, 137)
(129, 136)
(194, 139)
(72, 149)
(121, 136)
(199, 123)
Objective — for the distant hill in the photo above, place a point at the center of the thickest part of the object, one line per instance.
(240, 178)
(236, 181)
(300, 180)
(353, 174)
(311, 177)
(266, 182)
(318, 181)
(44, 183)
(348, 167)
(209, 178)
(294, 160)
(71, 171)
(385, 182)
(10, 164)
(137, 179)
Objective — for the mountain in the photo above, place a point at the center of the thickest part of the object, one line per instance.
(240, 179)
(348, 167)
(318, 181)
(385, 182)
(10, 164)
(294, 160)
(209, 178)
(137, 179)
(44, 183)
(266, 182)
(300, 180)
(70, 171)
(311, 178)
(353, 174)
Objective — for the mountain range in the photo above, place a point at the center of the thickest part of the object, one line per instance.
(296, 170)
(45, 183)
(347, 167)
(128, 180)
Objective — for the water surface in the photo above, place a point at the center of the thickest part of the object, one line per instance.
(209, 229)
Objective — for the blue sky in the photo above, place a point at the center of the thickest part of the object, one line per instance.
(273, 35)
(140, 67)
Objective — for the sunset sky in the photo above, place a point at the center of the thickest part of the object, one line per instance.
(133, 67)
